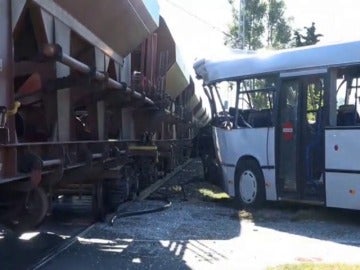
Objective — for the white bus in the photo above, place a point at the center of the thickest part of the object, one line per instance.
(292, 131)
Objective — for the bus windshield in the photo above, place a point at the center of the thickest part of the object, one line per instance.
(240, 103)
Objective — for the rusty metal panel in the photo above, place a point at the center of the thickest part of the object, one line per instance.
(188, 93)
(7, 156)
(128, 125)
(100, 109)
(148, 60)
(194, 100)
(125, 71)
(62, 15)
(48, 21)
(16, 11)
(166, 48)
(143, 57)
(6, 60)
(151, 58)
(176, 80)
(127, 23)
(6, 63)
(170, 61)
(100, 62)
(197, 108)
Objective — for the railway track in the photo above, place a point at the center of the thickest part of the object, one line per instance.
(57, 250)
(69, 222)
(70, 217)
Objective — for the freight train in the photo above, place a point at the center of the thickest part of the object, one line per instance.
(94, 100)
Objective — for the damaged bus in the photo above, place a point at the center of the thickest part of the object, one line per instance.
(289, 132)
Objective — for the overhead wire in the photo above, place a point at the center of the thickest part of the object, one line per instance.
(198, 18)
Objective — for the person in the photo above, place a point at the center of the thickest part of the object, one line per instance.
(298, 42)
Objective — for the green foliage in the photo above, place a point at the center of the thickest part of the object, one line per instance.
(315, 93)
(259, 96)
(260, 100)
(264, 22)
(310, 38)
(279, 30)
(254, 23)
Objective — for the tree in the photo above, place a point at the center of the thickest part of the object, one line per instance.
(264, 21)
(278, 27)
(310, 38)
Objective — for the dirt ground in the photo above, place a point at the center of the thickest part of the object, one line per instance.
(204, 229)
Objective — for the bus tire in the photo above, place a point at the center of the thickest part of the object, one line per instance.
(249, 184)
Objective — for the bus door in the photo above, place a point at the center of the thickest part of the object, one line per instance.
(300, 138)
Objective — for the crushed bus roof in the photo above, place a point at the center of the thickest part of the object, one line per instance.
(244, 65)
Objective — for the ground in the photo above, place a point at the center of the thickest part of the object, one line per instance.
(204, 229)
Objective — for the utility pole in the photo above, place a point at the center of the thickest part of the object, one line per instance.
(242, 7)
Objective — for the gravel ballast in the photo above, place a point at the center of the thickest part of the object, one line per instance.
(202, 231)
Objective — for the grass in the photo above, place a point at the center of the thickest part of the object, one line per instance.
(213, 195)
(315, 266)
(243, 214)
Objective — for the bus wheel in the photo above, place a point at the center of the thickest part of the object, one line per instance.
(249, 184)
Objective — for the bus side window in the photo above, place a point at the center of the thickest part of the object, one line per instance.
(347, 115)
(262, 118)
(347, 96)
(242, 117)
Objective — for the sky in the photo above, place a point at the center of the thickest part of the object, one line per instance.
(195, 34)
(197, 25)
(336, 20)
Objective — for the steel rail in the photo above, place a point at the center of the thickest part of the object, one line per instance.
(55, 251)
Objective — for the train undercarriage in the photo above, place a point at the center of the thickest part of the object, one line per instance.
(86, 109)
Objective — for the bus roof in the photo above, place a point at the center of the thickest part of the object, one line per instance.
(245, 65)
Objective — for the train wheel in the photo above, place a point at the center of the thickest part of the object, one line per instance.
(149, 173)
(118, 189)
(98, 206)
(33, 210)
(249, 184)
(134, 183)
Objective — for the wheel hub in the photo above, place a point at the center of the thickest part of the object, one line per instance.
(248, 187)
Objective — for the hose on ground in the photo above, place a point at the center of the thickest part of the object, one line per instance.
(167, 204)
